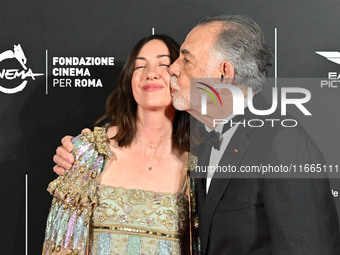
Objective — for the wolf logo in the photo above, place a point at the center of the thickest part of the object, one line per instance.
(17, 53)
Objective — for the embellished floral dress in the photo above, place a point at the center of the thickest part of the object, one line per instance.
(89, 218)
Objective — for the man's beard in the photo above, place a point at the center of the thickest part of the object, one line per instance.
(180, 101)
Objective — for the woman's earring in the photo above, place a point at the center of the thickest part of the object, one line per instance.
(222, 77)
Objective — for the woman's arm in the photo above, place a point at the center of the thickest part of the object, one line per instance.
(74, 195)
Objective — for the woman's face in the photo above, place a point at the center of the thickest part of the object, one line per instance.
(151, 79)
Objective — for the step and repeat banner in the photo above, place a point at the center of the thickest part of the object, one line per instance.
(59, 60)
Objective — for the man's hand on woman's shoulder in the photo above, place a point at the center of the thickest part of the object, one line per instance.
(63, 157)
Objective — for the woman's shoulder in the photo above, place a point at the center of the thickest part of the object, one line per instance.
(96, 141)
(91, 152)
(75, 193)
(192, 162)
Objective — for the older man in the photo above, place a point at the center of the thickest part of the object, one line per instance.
(240, 215)
(251, 215)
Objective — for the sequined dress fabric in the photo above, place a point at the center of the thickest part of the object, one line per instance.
(88, 218)
(132, 221)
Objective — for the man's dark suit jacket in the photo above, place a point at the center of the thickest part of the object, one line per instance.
(265, 216)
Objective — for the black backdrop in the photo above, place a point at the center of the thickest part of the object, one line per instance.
(33, 121)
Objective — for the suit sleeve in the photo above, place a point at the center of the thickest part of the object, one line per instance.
(301, 212)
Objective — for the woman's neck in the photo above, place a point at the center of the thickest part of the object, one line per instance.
(154, 126)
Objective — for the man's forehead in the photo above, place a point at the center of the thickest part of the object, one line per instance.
(192, 45)
(200, 37)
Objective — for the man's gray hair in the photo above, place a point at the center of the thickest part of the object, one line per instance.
(241, 42)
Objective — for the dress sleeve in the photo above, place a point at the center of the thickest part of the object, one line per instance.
(74, 196)
(193, 211)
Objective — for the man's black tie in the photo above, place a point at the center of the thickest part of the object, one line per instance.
(212, 138)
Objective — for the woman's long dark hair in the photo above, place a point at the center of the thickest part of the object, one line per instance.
(121, 107)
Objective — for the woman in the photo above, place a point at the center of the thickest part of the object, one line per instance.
(126, 194)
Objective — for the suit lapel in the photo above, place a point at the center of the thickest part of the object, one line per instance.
(232, 155)
(220, 182)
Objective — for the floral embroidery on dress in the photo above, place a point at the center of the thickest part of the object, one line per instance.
(115, 220)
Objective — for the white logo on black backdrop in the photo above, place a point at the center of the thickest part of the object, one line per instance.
(333, 56)
(11, 74)
(333, 77)
(65, 68)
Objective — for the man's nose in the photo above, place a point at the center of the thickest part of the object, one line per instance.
(174, 69)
